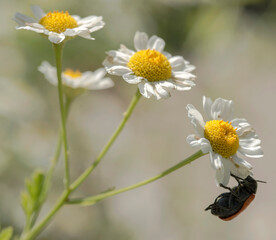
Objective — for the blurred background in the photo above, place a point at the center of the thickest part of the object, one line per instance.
(232, 44)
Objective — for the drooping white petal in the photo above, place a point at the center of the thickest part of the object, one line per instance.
(145, 89)
(241, 162)
(38, 12)
(196, 119)
(156, 43)
(163, 93)
(222, 109)
(140, 41)
(56, 37)
(223, 175)
(196, 141)
(85, 34)
(132, 78)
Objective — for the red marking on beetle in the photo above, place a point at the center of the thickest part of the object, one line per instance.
(244, 206)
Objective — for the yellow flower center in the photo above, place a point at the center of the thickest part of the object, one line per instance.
(71, 73)
(150, 64)
(222, 136)
(58, 21)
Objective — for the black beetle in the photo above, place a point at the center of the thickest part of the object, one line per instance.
(230, 204)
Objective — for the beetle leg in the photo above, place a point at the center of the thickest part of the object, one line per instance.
(230, 189)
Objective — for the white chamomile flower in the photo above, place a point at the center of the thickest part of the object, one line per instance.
(77, 80)
(223, 136)
(59, 25)
(155, 71)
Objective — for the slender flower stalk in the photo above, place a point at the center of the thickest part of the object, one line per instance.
(49, 175)
(58, 52)
(127, 114)
(94, 199)
(55, 158)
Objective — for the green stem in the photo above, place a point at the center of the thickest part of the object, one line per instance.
(127, 114)
(58, 52)
(92, 200)
(35, 231)
(54, 160)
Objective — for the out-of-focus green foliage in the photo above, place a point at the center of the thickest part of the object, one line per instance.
(6, 233)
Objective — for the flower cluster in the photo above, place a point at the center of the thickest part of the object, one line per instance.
(156, 72)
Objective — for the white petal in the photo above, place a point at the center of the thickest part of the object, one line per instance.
(241, 162)
(177, 63)
(132, 78)
(253, 152)
(90, 21)
(207, 105)
(222, 109)
(183, 75)
(96, 28)
(49, 72)
(156, 43)
(125, 50)
(190, 68)
(118, 70)
(100, 84)
(38, 12)
(251, 142)
(85, 34)
(196, 141)
(56, 38)
(32, 28)
(223, 175)
(22, 19)
(166, 54)
(145, 89)
(182, 85)
(118, 57)
(140, 41)
(196, 119)
(216, 160)
(168, 84)
(163, 93)
(99, 73)
(244, 129)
